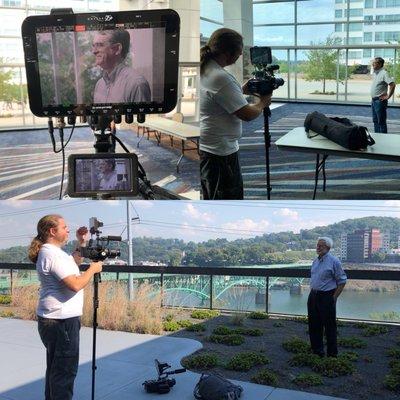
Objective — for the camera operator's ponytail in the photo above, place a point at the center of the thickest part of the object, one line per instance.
(221, 41)
(43, 227)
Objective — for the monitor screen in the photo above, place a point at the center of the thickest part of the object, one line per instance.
(102, 63)
(97, 174)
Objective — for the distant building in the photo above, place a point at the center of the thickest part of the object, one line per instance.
(360, 245)
(343, 246)
(370, 22)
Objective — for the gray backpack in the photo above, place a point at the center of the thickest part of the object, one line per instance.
(216, 387)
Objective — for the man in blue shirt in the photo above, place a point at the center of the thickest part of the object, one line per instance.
(327, 282)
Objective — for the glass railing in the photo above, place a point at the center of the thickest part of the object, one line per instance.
(370, 295)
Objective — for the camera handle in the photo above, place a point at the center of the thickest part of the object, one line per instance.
(267, 140)
(96, 280)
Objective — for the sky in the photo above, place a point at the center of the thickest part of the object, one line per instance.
(308, 11)
(186, 220)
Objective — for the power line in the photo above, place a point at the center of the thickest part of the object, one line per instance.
(38, 209)
(299, 206)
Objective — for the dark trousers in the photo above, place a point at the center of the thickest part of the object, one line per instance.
(379, 115)
(221, 177)
(61, 339)
(322, 316)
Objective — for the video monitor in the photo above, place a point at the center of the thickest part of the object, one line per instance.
(260, 55)
(93, 175)
(102, 63)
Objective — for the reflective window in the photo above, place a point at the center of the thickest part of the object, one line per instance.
(273, 13)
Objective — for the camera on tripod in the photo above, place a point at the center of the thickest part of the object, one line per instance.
(163, 384)
(264, 81)
(97, 249)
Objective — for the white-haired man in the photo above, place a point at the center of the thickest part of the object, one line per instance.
(327, 282)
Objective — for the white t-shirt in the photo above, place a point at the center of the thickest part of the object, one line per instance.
(109, 182)
(220, 96)
(56, 300)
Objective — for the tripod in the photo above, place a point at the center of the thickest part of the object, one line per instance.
(96, 280)
(267, 141)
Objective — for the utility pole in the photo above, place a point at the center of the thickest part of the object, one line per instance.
(129, 220)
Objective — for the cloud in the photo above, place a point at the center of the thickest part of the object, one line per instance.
(391, 203)
(247, 224)
(192, 212)
(287, 212)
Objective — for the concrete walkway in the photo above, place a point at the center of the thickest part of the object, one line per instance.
(124, 361)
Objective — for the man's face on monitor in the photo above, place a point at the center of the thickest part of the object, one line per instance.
(107, 54)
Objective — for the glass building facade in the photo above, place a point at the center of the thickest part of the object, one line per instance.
(349, 32)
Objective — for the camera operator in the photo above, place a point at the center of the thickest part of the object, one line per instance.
(223, 107)
(60, 302)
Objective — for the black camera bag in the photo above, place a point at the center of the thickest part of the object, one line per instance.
(340, 130)
(216, 387)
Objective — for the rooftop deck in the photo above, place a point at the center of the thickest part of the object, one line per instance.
(124, 361)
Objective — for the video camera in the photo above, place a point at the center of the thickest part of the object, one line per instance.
(264, 81)
(97, 248)
(163, 384)
(69, 76)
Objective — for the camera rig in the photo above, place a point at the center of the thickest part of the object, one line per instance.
(97, 248)
(162, 384)
(264, 81)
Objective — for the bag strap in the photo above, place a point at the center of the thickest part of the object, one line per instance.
(370, 140)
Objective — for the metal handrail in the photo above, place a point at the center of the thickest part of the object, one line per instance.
(362, 274)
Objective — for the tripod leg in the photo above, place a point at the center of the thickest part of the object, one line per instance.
(323, 171)
(316, 177)
(95, 307)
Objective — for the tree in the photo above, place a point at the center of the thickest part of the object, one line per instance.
(5, 77)
(322, 63)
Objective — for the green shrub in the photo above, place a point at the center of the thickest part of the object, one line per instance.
(196, 328)
(307, 379)
(7, 314)
(246, 360)
(278, 324)
(331, 366)
(304, 360)
(349, 355)
(5, 299)
(171, 326)
(265, 377)
(229, 340)
(169, 317)
(248, 331)
(374, 330)
(222, 330)
(392, 382)
(352, 342)
(184, 323)
(395, 367)
(200, 361)
(394, 364)
(394, 352)
(361, 325)
(204, 314)
(296, 345)
(258, 315)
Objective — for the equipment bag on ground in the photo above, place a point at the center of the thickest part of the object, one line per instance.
(340, 130)
(216, 387)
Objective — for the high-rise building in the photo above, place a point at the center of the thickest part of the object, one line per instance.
(370, 22)
(362, 244)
